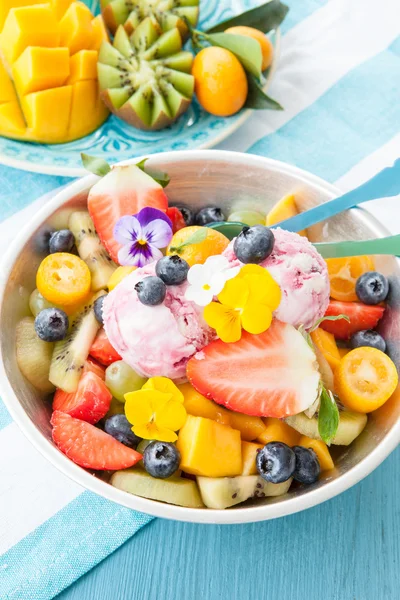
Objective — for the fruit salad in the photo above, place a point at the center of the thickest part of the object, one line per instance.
(194, 368)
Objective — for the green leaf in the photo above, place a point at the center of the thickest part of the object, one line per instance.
(257, 98)
(265, 18)
(197, 237)
(246, 49)
(98, 166)
(331, 318)
(328, 416)
(162, 178)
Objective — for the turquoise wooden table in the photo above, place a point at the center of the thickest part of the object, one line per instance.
(345, 549)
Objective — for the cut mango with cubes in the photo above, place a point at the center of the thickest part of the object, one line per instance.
(208, 448)
(48, 71)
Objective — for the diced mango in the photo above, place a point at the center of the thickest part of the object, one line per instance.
(7, 5)
(198, 405)
(60, 7)
(321, 450)
(7, 91)
(47, 112)
(87, 110)
(284, 209)
(99, 33)
(249, 455)
(326, 343)
(76, 28)
(11, 120)
(209, 449)
(40, 68)
(82, 66)
(28, 26)
(343, 351)
(278, 431)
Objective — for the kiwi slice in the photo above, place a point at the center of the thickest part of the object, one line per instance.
(166, 14)
(173, 490)
(70, 354)
(145, 79)
(33, 355)
(91, 250)
(223, 492)
(351, 425)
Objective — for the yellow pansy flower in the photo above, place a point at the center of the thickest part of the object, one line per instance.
(156, 411)
(247, 301)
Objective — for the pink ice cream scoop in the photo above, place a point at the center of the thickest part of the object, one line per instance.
(302, 275)
(154, 340)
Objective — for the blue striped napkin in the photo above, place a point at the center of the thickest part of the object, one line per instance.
(339, 80)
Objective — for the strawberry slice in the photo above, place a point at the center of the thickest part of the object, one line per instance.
(178, 222)
(95, 367)
(125, 190)
(102, 351)
(89, 446)
(362, 316)
(273, 374)
(90, 402)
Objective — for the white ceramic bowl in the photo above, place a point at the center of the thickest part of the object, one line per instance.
(198, 178)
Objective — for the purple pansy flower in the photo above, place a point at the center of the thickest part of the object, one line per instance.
(141, 236)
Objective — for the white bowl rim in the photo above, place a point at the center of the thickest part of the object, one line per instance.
(158, 509)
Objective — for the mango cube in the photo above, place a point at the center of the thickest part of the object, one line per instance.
(249, 455)
(321, 450)
(47, 112)
(76, 28)
(198, 405)
(28, 26)
(83, 66)
(209, 449)
(7, 5)
(278, 431)
(284, 209)
(40, 68)
(326, 343)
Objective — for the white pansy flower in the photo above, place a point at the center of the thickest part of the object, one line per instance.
(208, 280)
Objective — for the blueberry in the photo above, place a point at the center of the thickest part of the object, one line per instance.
(98, 309)
(210, 214)
(119, 427)
(372, 287)
(275, 462)
(51, 324)
(42, 239)
(368, 337)
(254, 244)
(172, 270)
(161, 459)
(187, 214)
(151, 291)
(307, 465)
(61, 241)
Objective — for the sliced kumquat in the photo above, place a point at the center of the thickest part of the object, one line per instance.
(343, 275)
(63, 279)
(365, 379)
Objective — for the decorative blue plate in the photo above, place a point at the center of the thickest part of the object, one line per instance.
(115, 140)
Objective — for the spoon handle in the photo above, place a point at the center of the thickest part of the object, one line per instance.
(384, 184)
(388, 245)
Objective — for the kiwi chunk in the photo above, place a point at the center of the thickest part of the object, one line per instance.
(145, 79)
(165, 14)
(223, 492)
(70, 354)
(91, 250)
(33, 355)
(173, 490)
(351, 425)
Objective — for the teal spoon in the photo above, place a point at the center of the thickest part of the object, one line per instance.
(384, 184)
(387, 245)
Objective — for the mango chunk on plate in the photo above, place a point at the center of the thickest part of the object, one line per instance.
(40, 68)
(28, 26)
(82, 66)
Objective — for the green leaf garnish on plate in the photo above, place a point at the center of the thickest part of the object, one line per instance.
(257, 98)
(266, 17)
(328, 416)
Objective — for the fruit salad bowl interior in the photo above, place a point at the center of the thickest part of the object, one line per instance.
(200, 178)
